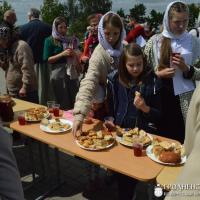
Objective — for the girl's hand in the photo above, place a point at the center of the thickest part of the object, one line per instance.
(84, 59)
(22, 92)
(140, 104)
(179, 61)
(77, 128)
(166, 73)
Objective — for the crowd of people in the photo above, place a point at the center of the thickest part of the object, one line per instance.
(138, 78)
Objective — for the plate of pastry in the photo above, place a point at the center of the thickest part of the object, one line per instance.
(127, 137)
(167, 153)
(95, 140)
(55, 125)
(36, 114)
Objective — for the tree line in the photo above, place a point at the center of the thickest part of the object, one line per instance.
(76, 12)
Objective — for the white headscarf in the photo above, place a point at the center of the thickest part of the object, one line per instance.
(102, 40)
(182, 44)
(166, 30)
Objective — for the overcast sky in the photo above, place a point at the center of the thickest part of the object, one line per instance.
(22, 6)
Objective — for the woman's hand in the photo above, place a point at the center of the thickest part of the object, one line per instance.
(179, 61)
(68, 52)
(84, 59)
(77, 128)
(166, 73)
(22, 92)
(140, 104)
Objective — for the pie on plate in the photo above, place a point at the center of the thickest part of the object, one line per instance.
(165, 152)
(95, 140)
(128, 137)
(36, 114)
(55, 125)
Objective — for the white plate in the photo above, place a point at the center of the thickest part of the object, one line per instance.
(46, 115)
(129, 144)
(151, 155)
(64, 121)
(92, 149)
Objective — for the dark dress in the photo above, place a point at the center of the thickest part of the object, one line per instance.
(172, 123)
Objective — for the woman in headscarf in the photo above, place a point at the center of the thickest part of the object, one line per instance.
(104, 59)
(61, 52)
(174, 54)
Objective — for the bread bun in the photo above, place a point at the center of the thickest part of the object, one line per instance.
(137, 94)
(157, 149)
(170, 157)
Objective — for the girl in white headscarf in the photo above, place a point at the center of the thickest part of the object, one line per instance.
(104, 59)
(173, 54)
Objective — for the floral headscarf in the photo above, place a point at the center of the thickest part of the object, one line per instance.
(57, 35)
(102, 40)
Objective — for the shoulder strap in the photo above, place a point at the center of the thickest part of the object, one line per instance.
(197, 32)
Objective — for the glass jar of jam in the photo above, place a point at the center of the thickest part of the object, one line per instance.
(6, 110)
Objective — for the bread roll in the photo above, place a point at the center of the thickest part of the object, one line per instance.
(137, 93)
(157, 149)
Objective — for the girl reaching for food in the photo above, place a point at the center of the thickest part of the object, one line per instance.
(134, 98)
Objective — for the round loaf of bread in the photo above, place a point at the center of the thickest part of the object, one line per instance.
(170, 157)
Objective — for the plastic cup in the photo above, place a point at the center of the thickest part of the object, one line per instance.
(21, 119)
(174, 54)
(56, 110)
(109, 123)
(50, 106)
(137, 149)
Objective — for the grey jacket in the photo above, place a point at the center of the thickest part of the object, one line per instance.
(20, 72)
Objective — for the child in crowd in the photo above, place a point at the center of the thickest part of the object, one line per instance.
(133, 92)
(91, 38)
(133, 100)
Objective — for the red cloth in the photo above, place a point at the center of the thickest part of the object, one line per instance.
(134, 33)
(89, 45)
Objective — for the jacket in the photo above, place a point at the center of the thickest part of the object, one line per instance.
(34, 33)
(100, 64)
(120, 102)
(20, 72)
(191, 170)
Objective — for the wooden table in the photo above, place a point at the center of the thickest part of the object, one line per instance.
(168, 176)
(117, 158)
(21, 105)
